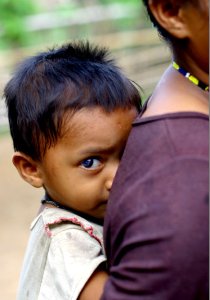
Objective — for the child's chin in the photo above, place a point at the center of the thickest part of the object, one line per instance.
(101, 212)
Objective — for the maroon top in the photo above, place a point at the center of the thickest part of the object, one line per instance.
(156, 227)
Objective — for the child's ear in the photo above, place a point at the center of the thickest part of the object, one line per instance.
(169, 14)
(28, 169)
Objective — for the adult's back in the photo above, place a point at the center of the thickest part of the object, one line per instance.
(156, 228)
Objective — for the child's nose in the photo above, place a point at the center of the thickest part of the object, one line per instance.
(111, 175)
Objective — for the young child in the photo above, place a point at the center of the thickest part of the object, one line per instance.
(163, 195)
(70, 112)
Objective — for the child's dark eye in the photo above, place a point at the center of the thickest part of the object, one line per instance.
(91, 163)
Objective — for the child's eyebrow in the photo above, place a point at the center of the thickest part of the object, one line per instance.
(97, 150)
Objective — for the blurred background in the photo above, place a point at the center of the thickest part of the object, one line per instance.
(31, 26)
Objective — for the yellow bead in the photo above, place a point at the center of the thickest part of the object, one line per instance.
(193, 79)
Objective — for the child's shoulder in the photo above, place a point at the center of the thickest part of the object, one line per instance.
(56, 220)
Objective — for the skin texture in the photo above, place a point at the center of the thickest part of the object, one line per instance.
(190, 50)
(196, 56)
(79, 170)
(94, 287)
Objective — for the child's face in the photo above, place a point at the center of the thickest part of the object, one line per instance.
(79, 170)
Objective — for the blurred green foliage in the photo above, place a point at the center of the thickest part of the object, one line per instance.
(12, 13)
(121, 2)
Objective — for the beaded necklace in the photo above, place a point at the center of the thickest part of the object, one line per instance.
(192, 78)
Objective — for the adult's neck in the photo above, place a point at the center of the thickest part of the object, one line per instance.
(192, 64)
(175, 93)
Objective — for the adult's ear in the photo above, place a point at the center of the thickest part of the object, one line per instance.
(170, 14)
(28, 169)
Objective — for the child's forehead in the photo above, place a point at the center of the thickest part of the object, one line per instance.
(96, 123)
(93, 133)
(85, 118)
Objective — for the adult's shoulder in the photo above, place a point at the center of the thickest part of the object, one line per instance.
(159, 140)
(186, 129)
